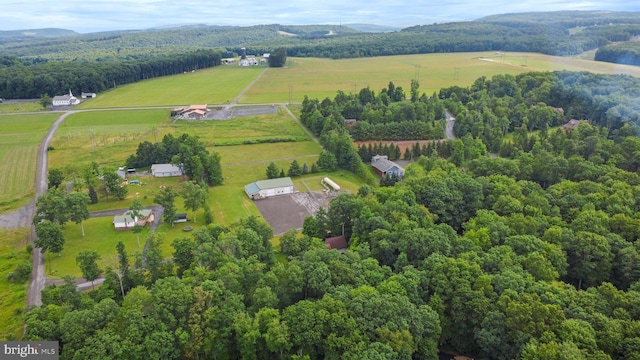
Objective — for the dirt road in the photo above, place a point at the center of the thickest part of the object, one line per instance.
(38, 278)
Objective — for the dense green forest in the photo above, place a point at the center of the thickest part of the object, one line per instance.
(533, 255)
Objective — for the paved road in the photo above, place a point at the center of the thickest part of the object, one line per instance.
(448, 131)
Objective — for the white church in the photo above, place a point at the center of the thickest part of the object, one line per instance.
(65, 100)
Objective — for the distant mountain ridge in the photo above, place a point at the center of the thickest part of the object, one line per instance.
(38, 33)
(554, 33)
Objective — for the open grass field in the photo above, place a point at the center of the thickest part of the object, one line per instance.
(219, 85)
(238, 130)
(20, 136)
(12, 296)
(20, 107)
(107, 137)
(320, 78)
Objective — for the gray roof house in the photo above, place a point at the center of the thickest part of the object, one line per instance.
(383, 166)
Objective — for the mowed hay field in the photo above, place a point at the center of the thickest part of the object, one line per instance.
(320, 78)
(20, 137)
(218, 85)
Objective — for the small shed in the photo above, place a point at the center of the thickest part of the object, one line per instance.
(85, 95)
(337, 242)
(165, 170)
(267, 188)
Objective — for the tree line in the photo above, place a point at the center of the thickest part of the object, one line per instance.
(23, 81)
(386, 115)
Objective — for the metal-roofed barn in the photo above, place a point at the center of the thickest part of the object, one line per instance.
(272, 187)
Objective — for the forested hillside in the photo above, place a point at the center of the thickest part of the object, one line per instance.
(554, 33)
(533, 255)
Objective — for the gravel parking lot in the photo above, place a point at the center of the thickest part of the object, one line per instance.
(284, 212)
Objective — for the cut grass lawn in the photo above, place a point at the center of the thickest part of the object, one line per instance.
(219, 85)
(13, 297)
(20, 137)
(320, 78)
(101, 237)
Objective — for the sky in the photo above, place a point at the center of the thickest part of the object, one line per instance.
(104, 15)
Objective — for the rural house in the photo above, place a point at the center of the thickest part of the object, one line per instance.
(165, 170)
(384, 167)
(272, 187)
(65, 100)
(127, 222)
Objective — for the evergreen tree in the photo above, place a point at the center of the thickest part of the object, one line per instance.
(294, 169)
(272, 171)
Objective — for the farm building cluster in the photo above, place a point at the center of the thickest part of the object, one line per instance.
(192, 112)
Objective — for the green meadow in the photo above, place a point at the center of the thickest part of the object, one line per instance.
(20, 137)
(320, 78)
(218, 85)
(12, 296)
